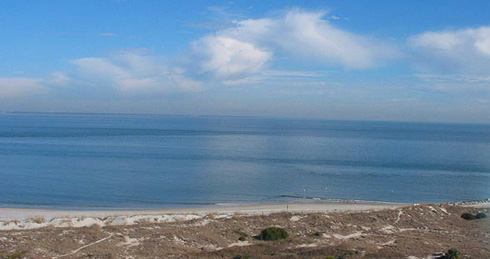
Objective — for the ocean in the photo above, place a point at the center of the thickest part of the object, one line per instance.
(82, 161)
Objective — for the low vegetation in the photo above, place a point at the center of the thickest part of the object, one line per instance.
(469, 216)
(452, 254)
(481, 215)
(408, 232)
(16, 255)
(271, 234)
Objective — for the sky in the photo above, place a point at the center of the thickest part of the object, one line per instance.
(352, 60)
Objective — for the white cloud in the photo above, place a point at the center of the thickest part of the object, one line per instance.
(310, 36)
(229, 58)
(247, 47)
(19, 86)
(465, 50)
(133, 72)
(241, 54)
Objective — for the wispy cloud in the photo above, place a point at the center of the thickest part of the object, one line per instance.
(459, 78)
(456, 83)
(284, 79)
(11, 87)
(15, 87)
(463, 50)
(218, 18)
(108, 34)
(133, 72)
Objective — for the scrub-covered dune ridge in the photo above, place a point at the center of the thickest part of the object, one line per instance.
(416, 231)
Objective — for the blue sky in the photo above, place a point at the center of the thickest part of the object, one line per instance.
(368, 60)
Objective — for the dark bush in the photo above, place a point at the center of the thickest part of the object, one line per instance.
(468, 216)
(348, 254)
(481, 215)
(243, 236)
(270, 234)
(452, 254)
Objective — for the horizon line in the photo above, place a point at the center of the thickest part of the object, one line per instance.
(240, 116)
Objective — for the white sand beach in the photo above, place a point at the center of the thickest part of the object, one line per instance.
(23, 218)
(48, 214)
(27, 218)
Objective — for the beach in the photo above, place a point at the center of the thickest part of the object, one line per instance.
(59, 218)
(316, 230)
(252, 209)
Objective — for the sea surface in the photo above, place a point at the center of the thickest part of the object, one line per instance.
(146, 161)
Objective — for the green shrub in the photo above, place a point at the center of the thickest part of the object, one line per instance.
(468, 216)
(481, 215)
(348, 254)
(452, 254)
(318, 234)
(17, 255)
(270, 234)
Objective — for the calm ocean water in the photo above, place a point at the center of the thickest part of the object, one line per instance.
(135, 161)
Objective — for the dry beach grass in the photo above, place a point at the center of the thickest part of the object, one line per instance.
(416, 231)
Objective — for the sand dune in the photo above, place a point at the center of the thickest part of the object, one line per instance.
(315, 231)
